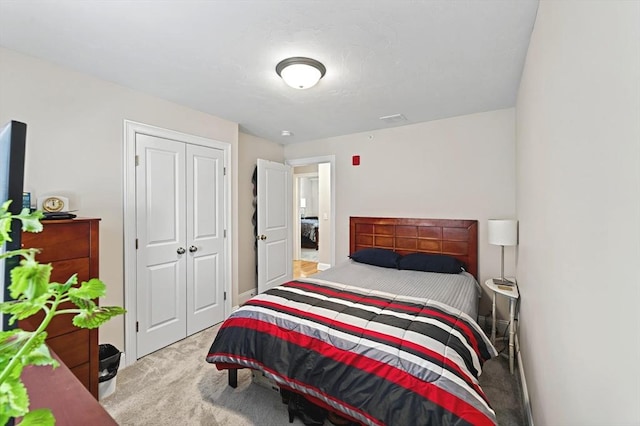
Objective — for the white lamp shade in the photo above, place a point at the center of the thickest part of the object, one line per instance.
(301, 76)
(303, 202)
(503, 232)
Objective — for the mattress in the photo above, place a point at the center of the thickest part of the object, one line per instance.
(460, 291)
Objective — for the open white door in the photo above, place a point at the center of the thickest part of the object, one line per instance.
(275, 230)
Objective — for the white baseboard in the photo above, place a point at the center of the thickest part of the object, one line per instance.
(323, 266)
(243, 297)
(523, 381)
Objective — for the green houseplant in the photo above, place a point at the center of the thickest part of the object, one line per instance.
(32, 292)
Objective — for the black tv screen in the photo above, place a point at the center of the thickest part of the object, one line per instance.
(13, 136)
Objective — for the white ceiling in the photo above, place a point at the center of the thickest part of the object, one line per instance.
(424, 59)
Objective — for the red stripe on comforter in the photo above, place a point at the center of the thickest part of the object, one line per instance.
(426, 389)
(383, 303)
(375, 335)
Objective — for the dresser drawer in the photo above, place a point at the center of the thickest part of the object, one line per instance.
(72, 348)
(63, 269)
(60, 241)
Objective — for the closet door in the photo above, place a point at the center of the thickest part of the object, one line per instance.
(180, 221)
(162, 243)
(205, 237)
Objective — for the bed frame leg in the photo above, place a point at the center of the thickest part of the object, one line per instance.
(233, 377)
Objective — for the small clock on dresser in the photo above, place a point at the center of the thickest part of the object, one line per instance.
(53, 203)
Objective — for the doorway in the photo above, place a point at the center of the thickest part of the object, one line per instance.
(314, 210)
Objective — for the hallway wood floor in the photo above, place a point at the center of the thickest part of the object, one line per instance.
(303, 268)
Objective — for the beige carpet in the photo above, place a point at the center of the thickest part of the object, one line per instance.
(176, 386)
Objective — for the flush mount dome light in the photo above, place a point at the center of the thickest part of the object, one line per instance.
(300, 73)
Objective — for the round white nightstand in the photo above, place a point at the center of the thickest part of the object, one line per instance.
(511, 292)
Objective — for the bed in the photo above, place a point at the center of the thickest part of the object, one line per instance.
(309, 232)
(376, 345)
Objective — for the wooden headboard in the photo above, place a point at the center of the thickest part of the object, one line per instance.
(457, 238)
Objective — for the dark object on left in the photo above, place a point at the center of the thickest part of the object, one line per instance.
(13, 139)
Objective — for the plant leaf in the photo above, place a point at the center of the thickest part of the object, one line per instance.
(5, 222)
(11, 341)
(60, 289)
(14, 401)
(6, 335)
(37, 353)
(21, 309)
(97, 317)
(84, 304)
(4, 418)
(39, 356)
(30, 279)
(30, 220)
(91, 289)
(39, 417)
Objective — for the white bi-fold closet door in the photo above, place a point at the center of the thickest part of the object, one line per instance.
(180, 231)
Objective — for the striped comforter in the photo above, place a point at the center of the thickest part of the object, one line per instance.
(377, 358)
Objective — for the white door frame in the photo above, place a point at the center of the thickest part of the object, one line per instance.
(296, 162)
(131, 128)
(297, 235)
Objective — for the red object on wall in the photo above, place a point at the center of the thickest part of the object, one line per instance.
(355, 160)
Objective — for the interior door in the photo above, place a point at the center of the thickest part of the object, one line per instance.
(161, 256)
(205, 237)
(275, 215)
(180, 228)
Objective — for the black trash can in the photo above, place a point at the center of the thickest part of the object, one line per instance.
(109, 363)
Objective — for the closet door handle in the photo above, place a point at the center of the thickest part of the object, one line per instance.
(193, 249)
(262, 237)
(181, 250)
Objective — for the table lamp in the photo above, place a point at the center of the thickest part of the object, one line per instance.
(503, 232)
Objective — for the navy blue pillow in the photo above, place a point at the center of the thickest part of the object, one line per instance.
(429, 262)
(377, 256)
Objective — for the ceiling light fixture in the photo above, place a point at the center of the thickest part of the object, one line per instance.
(299, 72)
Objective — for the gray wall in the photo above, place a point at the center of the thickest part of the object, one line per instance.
(578, 200)
(75, 127)
(460, 167)
(250, 148)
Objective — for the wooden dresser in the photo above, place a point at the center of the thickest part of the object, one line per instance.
(71, 246)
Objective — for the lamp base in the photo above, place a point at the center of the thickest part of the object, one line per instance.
(502, 281)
